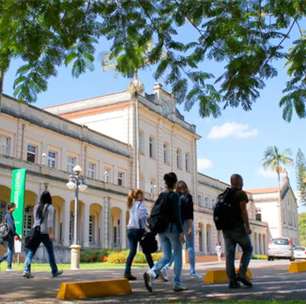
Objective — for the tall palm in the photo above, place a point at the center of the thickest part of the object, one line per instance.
(276, 160)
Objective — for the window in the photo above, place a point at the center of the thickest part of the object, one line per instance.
(187, 162)
(71, 163)
(52, 159)
(258, 215)
(166, 154)
(141, 142)
(179, 158)
(151, 147)
(121, 178)
(91, 229)
(107, 175)
(153, 187)
(28, 221)
(91, 170)
(5, 145)
(31, 153)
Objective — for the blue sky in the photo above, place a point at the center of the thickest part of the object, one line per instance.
(234, 142)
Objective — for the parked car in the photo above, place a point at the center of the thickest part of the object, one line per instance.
(280, 248)
(299, 252)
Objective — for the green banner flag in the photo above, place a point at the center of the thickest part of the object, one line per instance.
(17, 197)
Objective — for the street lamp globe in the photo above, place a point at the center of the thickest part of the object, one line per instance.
(71, 185)
(77, 169)
(82, 187)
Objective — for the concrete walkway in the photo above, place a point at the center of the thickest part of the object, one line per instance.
(271, 281)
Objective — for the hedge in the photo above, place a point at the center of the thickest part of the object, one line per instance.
(91, 255)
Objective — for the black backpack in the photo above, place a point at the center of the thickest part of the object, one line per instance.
(4, 231)
(160, 216)
(223, 211)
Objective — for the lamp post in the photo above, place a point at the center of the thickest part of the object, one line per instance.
(76, 183)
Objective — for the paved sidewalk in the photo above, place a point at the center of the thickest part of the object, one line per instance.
(271, 281)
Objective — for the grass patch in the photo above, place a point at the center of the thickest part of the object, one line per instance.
(245, 302)
(42, 267)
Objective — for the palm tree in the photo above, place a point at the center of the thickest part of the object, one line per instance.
(276, 160)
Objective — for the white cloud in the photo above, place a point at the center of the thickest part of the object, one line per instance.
(204, 164)
(232, 129)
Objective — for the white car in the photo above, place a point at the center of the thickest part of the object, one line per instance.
(299, 252)
(280, 248)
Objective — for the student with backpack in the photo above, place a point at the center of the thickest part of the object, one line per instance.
(136, 229)
(42, 232)
(8, 234)
(231, 216)
(165, 220)
(186, 204)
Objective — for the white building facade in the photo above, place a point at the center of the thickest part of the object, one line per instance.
(122, 141)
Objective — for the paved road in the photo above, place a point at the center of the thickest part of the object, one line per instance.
(271, 281)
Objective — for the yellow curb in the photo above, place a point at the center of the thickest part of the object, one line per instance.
(299, 266)
(218, 276)
(93, 289)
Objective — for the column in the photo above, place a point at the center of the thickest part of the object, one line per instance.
(66, 221)
(86, 225)
(123, 229)
(106, 223)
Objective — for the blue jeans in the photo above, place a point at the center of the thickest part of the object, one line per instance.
(232, 238)
(134, 237)
(170, 241)
(9, 253)
(43, 238)
(189, 246)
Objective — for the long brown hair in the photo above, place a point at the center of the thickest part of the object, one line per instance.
(183, 186)
(133, 194)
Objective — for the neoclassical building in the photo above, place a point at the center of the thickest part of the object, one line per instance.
(122, 141)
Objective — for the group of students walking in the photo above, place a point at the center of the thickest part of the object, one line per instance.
(41, 232)
(171, 219)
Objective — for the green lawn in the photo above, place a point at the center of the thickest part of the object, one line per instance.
(45, 267)
(245, 302)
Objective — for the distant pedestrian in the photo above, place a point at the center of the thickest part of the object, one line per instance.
(219, 251)
(165, 219)
(10, 222)
(236, 230)
(42, 232)
(186, 204)
(136, 229)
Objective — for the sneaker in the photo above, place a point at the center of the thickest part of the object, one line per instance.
(148, 280)
(164, 274)
(130, 277)
(196, 276)
(245, 281)
(27, 275)
(60, 272)
(234, 285)
(179, 288)
(9, 270)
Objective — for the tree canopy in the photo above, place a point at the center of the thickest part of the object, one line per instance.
(302, 228)
(247, 37)
(276, 160)
(301, 175)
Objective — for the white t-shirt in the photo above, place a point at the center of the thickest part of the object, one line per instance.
(138, 216)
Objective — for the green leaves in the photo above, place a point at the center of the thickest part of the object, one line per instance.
(180, 38)
(301, 175)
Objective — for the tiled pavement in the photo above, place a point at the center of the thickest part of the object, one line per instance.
(271, 281)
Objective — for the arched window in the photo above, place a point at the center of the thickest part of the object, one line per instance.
(179, 158)
(187, 162)
(166, 153)
(151, 147)
(141, 142)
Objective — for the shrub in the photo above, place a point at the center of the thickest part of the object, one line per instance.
(259, 257)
